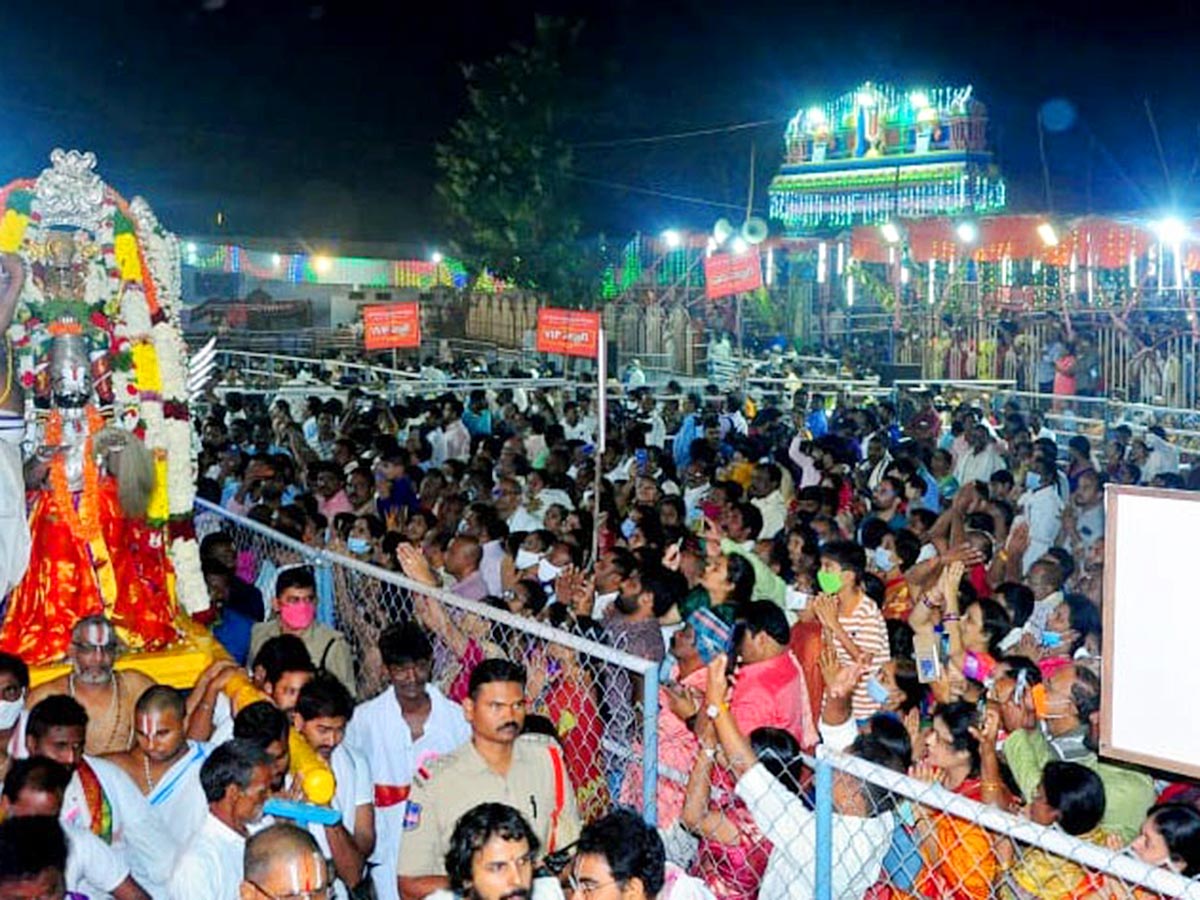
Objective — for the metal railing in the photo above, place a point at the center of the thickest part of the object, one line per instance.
(602, 701)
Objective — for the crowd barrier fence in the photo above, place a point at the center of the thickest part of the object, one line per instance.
(935, 843)
(1066, 416)
(602, 701)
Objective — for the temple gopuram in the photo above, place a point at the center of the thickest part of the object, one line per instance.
(878, 154)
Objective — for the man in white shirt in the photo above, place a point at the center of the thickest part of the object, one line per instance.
(482, 523)
(237, 782)
(400, 732)
(862, 821)
(1045, 579)
(574, 428)
(101, 798)
(164, 764)
(981, 460)
(768, 497)
(322, 711)
(35, 787)
(649, 416)
(457, 438)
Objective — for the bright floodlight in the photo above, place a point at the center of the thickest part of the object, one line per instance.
(322, 264)
(672, 238)
(968, 232)
(918, 99)
(436, 258)
(890, 232)
(815, 116)
(1170, 230)
(191, 247)
(739, 245)
(1048, 235)
(276, 260)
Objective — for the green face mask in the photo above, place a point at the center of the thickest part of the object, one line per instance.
(830, 582)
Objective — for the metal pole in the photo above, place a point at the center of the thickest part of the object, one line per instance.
(824, 861)
(650, 743)
(601, 440)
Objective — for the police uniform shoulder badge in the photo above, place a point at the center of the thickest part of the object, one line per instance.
(412, 816)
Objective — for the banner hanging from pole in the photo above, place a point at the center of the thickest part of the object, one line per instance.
(391, 326)
(570, 332)
(732, 273)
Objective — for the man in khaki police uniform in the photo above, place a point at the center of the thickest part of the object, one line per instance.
(527, 774)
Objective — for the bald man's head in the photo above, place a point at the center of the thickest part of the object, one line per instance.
(160, 724)
(161, 698)
(464, 556)
(283, 860)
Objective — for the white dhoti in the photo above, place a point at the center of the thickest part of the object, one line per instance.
(14, 520)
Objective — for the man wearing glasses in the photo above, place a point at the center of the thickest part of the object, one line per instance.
(283, 862)
(108, 696)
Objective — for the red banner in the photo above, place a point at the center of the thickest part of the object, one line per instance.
(568, 331)
(732, 273)
(392, 326)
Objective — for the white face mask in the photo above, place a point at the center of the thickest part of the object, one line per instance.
(10, 711)
(527, 559)
(547, 571)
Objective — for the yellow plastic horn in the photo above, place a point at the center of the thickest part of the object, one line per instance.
(314, 773)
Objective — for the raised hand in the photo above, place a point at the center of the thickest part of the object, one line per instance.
(923, 771)
(717, 688)
(415, 565)
(825, 607)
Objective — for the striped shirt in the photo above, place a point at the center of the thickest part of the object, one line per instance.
(866, 628)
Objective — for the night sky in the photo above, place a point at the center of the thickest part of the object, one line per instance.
(318, 120)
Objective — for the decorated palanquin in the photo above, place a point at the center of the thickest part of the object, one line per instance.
(110, 470)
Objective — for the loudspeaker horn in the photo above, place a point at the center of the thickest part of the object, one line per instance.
(755, 230)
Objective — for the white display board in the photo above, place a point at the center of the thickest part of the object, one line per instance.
(1151, 657)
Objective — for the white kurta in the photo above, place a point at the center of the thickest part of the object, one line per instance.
(211, 868)
(352, 775)
(138, 830)
(94, 869)
(178, 796)
(378, 731)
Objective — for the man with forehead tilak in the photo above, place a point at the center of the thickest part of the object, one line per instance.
(107, 695)
(283, 862)
(164, 764)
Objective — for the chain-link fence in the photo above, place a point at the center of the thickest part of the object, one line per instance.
(602, 702)
(839, 826)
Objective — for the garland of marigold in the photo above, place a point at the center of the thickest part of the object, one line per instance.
(84, 522)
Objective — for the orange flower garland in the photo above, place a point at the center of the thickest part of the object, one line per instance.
(84, 523)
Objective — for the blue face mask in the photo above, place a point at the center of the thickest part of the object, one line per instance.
(628, 527)
(876, 690)
(1051, 638)
(883, 558)
(358, 546)
(1033, 480)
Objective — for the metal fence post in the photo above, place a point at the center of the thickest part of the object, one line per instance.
(650, 745)
(824, 808)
